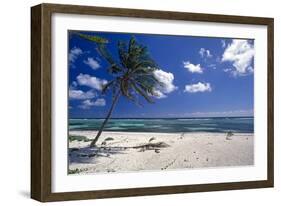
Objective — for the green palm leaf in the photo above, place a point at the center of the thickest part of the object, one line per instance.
(107, 86)
(143, 93)
(96, 39)
(122, 52)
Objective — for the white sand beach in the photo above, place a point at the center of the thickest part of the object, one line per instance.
(131, 151)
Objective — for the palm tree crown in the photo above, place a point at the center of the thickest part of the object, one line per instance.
(133, 73)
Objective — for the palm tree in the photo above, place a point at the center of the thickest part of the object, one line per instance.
(133, 74)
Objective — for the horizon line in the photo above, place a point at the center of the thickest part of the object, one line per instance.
(163, 117)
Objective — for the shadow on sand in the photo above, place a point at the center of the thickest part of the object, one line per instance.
(91, 154)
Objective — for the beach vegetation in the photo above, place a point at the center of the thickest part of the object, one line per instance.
(78, 138)
(75, 171)
(109, 139)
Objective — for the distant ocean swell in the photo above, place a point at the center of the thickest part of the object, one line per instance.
(217, 124)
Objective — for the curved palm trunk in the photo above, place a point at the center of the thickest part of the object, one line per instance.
(93, 143)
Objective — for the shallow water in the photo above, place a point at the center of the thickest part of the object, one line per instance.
(214, 124)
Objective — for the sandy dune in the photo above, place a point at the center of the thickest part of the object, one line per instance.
(127, 151)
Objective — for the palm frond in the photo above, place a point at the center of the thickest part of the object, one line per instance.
(107, 86)
(105, 54)
(93, 38)
(133, 98)
(143, 71)
(142, 92)
(137, 55)
(148, 79)
(124, 87)
(114, 69)
(122, 52)
(146, 63)
(132, 44)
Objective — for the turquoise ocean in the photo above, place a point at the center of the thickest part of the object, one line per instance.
(168, 125)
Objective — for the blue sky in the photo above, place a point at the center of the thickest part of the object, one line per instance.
(202, 76)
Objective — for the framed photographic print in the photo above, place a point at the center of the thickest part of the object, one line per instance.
(137, 102)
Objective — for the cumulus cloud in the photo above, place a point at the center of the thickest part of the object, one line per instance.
(91, 62)
(87, 104)
(241, 54)
(90, 81)
(192, 68)
(166, 78)
(199, 87)
(79, 94)
(205, 53)
(74, 53)
(158, 94)
(100, 102)
(223, 43)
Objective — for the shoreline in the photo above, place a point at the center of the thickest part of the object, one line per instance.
(145, 151)
(93, 132)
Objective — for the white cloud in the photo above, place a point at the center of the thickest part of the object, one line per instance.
(240, 53)
(199, 87)
(212, 66)
(90, 81)
(87, 104)
(73, 84)
(223, 43)
(74, 53)
(192, 68)
(205, 53)
(166, 78)
(227, 70)
(79, 94)
(158, 94)
(100, 102)
(91, 62)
